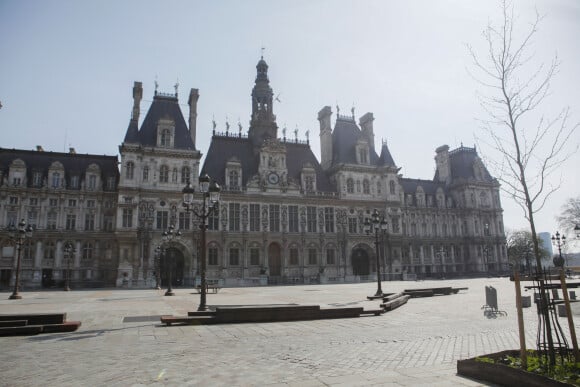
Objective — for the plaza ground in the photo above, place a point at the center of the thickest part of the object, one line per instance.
(122, 343)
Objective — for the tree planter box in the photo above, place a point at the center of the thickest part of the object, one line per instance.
(504, 375)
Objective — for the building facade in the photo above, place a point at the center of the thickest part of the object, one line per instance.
(283, 216)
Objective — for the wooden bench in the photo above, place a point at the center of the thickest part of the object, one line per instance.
(13, 323)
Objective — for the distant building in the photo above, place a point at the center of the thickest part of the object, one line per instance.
(546, 239)
(283, 217)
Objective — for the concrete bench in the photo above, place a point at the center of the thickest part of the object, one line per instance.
(394, 304)
(266, 313)
(208, 288)
(13, 323)
(36, 318)
(21, 330)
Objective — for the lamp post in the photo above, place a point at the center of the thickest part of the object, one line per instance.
(158, 267)
(68, 252)
(559, 241)
(169, 236)
(577, 230)
(210, 190)
(377, 223)
(18, 235)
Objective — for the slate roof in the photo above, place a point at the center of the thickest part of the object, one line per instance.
(163, 106)
(74, 164)
(429, 186)
(385, 159)
(223, 148)
(461, 161)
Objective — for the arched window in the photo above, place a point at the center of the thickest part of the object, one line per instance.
(185, 172)
(350, 185)
(366, 187)
(164, 174)
(145, 173)
(358, 186)
(130, 168)
(174, 175)
(392, 187)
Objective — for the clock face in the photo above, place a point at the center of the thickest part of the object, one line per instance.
(273, 178)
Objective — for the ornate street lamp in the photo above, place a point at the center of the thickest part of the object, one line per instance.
(210, 190)
(559, 241)
(577, 230)
(168, 237)
(68, 253)
(377, 223)
(18, 236)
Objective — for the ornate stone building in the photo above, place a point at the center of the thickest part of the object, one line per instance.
(283, 216)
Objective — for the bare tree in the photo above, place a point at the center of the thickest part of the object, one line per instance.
(529, 147)
(569, 218)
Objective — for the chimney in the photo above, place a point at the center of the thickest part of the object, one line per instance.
(366, 125)
(325, 137)
(137, 95)
(192, 102)
(39, 148)
(72, 151)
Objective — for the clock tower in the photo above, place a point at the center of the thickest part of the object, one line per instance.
(263, 121)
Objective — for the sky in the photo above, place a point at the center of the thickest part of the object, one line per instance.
(67, 69)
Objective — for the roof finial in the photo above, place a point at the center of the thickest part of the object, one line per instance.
(307, 136)
(213, 123)
(239, 127)
(352, 110)
(227, 126)
(296, 133)
(262, 49)
(337, 109)
(176, 86)
(156, 84)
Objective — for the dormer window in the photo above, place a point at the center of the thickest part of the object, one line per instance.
(165, 138)
(362, 152)
(74, 182)
(55, 180)
(165, 133)
(309, 183)
(130, 170)
(234, 179)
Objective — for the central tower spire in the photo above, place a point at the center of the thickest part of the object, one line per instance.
(263, 121)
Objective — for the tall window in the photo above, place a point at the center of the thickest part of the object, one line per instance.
(184, 220)
(165, 138)
(311, 219)
(49, 249)
(294, 256)
(162, 220)
(127, 217)
(349, 185)
(330, 256)
(379, 187)
(164, 174)
(312, 256)
(309, 183)
(111, 183)
(51, 221)
(37, 179)
(146, 173)
(55, 180)
(234, 216)
(212, 256)
(292, 218)
(352, 226)
(328, 219)
(213, 221)
(185, 174)
(92, 182)
(174, 175)
(33, 218)
(234, 180)
(108, 223)
(234, 256)
(254, 217)
(255, 256)
(89, 222)
(71, 221)
(87, 251)
(366, 187)
(130, 169)
(274, 218)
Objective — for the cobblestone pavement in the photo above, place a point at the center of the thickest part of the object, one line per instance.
(417, 344)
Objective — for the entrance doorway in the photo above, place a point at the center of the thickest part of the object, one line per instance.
(5, 278)
(172, 260)
(274, 260)
(360, 262)
(47, 281)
